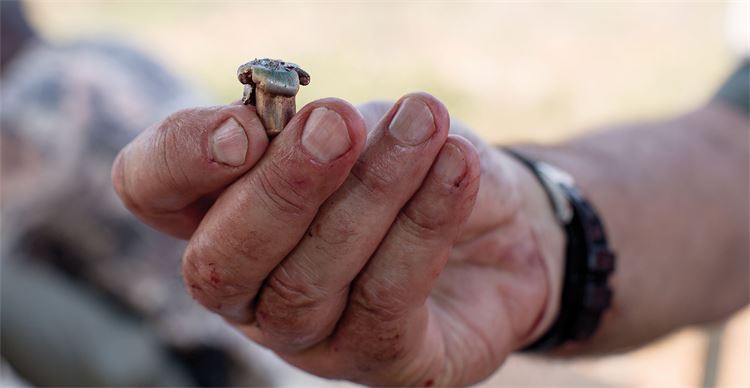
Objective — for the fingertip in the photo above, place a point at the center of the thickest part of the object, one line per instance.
(437, 108)
(469, 152)
(457, 163)
(416, 119)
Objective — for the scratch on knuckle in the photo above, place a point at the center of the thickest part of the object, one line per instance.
(210, 284)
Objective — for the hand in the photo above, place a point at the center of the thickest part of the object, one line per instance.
(375, 258)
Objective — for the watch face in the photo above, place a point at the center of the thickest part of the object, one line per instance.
(557, 175)
(554, 179)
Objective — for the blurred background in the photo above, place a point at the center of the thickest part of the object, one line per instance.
(513, 71)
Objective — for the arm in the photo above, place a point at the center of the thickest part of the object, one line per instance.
(375, 247)
(674, 198)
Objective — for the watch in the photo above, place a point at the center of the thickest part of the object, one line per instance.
(589, 262)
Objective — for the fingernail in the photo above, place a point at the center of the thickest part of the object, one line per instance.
(229, 143)
(325, 135)
(450, 166)
(413, 122)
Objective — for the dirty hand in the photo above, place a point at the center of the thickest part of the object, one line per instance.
(373, 256)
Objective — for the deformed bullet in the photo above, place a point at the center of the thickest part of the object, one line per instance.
(270, 85)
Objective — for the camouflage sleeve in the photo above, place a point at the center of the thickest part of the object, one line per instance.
(736, 89)
(69, 109)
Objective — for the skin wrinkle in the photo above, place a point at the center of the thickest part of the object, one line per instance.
(294, 295)
(298, 184)
(445, 371)
(378, 299)
(420, 367)
(530, 334)
(446, 301)
(303, 267)
(171, 145)
(162, 143)
(389, 351)
(376, 184)
(337, 234)
(278, 198)
(500, 239)
(418, 225)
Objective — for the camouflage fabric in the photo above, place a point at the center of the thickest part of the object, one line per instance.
(66, 112)
(735, 91)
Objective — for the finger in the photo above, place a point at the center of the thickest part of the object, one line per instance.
(304, 297)
(386, 320)
(259, 219)
(167, 174)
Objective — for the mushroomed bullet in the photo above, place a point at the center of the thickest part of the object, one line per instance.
(271, 85)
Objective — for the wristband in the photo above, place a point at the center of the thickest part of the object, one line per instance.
(588, 259)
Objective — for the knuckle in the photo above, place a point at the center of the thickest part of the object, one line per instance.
(344, 230)
(282, 289)
(377, 180)
(286, 310)
(209, 283)
(279, 192)
(379, 299)
(421, 224)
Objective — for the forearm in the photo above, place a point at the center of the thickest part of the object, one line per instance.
(674, 198)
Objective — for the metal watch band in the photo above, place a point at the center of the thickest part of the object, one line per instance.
(588, 259)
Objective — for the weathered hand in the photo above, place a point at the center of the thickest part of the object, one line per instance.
(375, 258)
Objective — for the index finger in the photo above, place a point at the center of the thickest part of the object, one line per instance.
(169, 175)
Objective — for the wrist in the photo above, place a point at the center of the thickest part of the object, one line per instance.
(550, 239)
